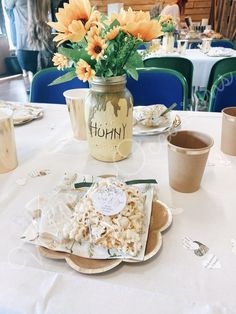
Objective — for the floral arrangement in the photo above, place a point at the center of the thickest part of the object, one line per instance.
(167, 23)
(91, 44)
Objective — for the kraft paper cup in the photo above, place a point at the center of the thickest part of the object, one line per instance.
(228, 132)
(75, 99)
(187, 156)
(8, 158)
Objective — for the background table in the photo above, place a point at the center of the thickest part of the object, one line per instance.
(202, 65)
(174, 281)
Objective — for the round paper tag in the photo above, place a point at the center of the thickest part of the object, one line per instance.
(109, 200)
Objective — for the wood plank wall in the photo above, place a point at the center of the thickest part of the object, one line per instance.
(197, 9)
(223, 17)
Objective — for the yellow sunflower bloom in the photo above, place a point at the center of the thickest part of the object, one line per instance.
(94, 20)
(96, 47)
(60, 61)
(73, 21)
(123, 17)
(94, 31)
(145, 30)
(113, 33)
(165, 19)
(84, 71)
(138, 24)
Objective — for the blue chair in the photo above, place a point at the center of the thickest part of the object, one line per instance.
(222, 43)
(219, 68)
(142, 47)
(182, 65)
(215, 43)
(223, 92)
(194, 44)
(41, 92)
(159, 86)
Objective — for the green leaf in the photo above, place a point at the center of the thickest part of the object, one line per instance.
(132, 72)
(135, 60)
(113, 24)
(76, 55)
(109, 73)
(64, 78)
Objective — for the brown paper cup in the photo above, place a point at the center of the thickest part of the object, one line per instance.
(187, 155)
(8, 158)
(228, 132)
(75, 99)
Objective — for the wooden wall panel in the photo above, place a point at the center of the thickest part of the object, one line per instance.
(223, 17)
(197, 9)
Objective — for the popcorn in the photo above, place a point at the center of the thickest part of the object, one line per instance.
(121, 231)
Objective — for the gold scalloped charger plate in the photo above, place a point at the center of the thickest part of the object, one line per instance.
(161, 219)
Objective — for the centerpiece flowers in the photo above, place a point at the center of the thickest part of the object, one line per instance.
(98, 45)
(167, 27)
(167, 23)
(102, 50)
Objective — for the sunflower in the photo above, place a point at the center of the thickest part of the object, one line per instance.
(94, 20)
(73, 20)
(123, 17)
(113, 33)
(138, 24)
(145, 30)
(165, 19)
(94, 31)
(60, 61)
(84, 71)
(96, 47)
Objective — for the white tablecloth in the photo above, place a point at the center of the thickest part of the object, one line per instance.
(202, 65)
(174, 281)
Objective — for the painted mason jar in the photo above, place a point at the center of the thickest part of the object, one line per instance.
(168, 43)
(109, 119)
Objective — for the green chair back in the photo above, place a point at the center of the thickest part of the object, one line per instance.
(182, 65)
(222, 93)
(219, 68)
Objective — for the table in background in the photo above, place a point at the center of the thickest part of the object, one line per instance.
(174, 281)
(202, 65)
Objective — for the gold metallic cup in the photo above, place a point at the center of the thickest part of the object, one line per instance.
(228, 132)
(187, 156)
(75, 99)
(8, 158)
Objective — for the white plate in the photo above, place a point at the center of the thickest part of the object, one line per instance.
(139, 130)
(221, 52)
(23, 113)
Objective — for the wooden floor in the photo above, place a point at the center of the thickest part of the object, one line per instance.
(14, 89)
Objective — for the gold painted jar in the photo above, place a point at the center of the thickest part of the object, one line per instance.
(109, 118)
